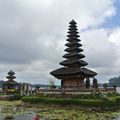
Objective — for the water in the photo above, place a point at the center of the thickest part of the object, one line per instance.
(25, 117)
(21, 116)
(13, 109)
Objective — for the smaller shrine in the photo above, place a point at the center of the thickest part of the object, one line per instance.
(11, 86)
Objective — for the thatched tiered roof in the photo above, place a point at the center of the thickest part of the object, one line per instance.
(74, 63)
(11, 78)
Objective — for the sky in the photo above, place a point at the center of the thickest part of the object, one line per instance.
(33, 34)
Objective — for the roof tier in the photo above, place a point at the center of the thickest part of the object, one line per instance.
(10, 77)
(73, 40)
(74, 56)
(73, 49)
(11, 82)
(74, 63)
(73, 44)
(72, 22)
(72, 72)
(73, 31)
(71, 35)
(11, 73)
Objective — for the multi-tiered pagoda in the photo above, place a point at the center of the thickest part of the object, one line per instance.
(11, 86)
(73, 73)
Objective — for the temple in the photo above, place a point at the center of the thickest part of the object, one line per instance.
(74, 73)
(11, 86)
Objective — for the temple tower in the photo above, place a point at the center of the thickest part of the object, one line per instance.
(73, 73)
(11, 76)
(11, 86)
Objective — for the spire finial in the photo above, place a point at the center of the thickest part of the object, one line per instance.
(72, 22)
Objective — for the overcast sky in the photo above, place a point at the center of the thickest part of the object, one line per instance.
(33, 34)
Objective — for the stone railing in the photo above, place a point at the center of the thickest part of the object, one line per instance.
(65, 91)
(77, 91)
(108, 89)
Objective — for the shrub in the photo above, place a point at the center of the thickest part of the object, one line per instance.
(52, 83)
(82, 102)
(113, 94)
(16, 97)
(83, 96)
(117, 101)
(108, 103)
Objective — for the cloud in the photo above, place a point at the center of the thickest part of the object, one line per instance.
(99, 50)
(101, 53)
(114, 37)
(33, 33)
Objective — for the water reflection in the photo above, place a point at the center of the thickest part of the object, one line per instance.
(16, 112)
(25, 117)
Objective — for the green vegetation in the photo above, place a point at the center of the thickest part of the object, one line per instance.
(84, 102)
(52, 83)
(9, 109)
(10, 97)
(109, 103)
(16, 97)
(2, 94)
(101, 104)
(67, 114)
(50, 112)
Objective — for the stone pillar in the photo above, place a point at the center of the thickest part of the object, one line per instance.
(87, 83)
(63, 86)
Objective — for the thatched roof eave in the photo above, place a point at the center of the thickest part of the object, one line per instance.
(73, 71)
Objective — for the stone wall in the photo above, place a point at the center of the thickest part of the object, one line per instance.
(74, 83)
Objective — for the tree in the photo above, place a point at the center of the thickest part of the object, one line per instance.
(52, 83)
(114, 81)
(105, 85)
